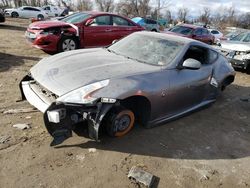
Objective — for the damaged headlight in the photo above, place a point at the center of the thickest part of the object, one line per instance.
(83, 95)
(49, 32)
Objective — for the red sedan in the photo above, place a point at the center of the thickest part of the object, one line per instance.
(80, 30)
(193, 31)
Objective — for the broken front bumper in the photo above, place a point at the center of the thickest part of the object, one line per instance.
(242, 64)
(60, 118)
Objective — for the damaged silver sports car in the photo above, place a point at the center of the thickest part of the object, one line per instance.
(145, 78)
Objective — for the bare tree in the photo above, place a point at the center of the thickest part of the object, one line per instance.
(168, 16)
(205, 16)
(182, 14)
(161, 4)
(133, 8)
(105, 5)
(84, 5)
(244, 21)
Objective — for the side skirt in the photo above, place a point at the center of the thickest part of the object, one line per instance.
(160, 121)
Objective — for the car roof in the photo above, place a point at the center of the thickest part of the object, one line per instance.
(95, 13)
(191, 26)
(167, 36)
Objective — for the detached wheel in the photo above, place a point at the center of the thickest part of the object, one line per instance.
(14, 15)
(40, 17)
(120, 122)
(67, 43)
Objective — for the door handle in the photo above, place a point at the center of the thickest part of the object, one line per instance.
(108, 30)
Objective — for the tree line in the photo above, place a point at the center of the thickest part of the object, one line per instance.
(155, 9)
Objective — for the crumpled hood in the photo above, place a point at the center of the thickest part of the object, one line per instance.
(67, 71)
(235, 46)
(47, 24)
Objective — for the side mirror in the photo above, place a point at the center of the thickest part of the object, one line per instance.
(191, 63)
(89, 22)
(114, 41)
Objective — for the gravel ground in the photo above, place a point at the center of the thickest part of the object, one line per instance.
(209, 148)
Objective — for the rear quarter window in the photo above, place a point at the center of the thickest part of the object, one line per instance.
(212, 56)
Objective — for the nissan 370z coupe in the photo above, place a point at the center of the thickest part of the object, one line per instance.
(146, 77)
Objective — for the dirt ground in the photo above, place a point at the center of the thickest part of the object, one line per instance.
(209, 148)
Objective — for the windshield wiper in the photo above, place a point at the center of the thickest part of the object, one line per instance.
(140, 61)
(112, 51)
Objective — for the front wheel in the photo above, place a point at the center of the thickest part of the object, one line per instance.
(14, 15)
(67, 43)
(40, 17)
(120, 122)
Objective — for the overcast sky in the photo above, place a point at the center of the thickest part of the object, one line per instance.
(195, 6)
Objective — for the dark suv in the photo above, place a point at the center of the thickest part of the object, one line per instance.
(194, 32)
(2, 18)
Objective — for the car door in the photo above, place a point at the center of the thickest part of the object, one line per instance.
(189, 87)
(99, 32)
(206, 36)
(34, 12)
(121, 28)
(197, 35)
(24, 12)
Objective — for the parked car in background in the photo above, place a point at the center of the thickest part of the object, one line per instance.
(2, 17)
(237, 49)
(80, 30)
(148, 24)
(53, 11)
(146, 77)
(27, 12)
(217, 35)
(192, 31)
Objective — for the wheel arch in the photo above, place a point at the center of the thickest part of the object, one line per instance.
(68, 34)
(141, 107)
(227, 81)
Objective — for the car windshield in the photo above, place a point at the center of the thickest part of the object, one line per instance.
(137, 19)
(154, 50)
(238, 37)
(182, 30)
(76, 18)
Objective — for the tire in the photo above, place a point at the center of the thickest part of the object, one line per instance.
(40, 17)
(119, 122)
(67, 43)
(14, 15)
(248, 69)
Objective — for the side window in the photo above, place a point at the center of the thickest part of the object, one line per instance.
(46, 8)
(198, 32)
(147, 21)
(204, 31)
(247, 38)
(101, 20)
(198, 53)
(26, 8)
(153, 22)
(118, 21)
(214, 32)
(34, 9)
